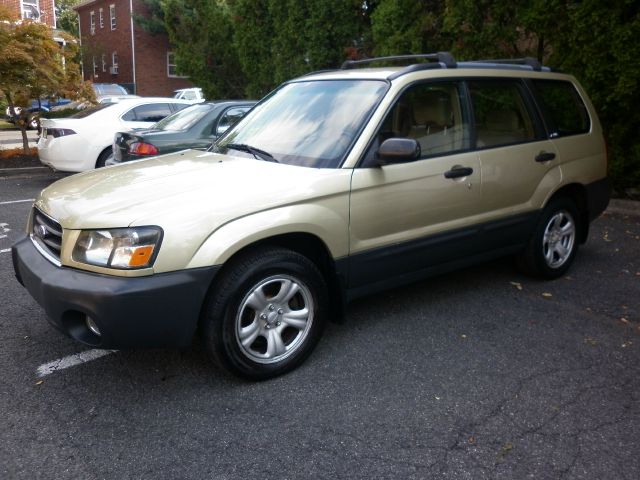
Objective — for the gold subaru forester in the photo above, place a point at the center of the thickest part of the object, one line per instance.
(336, 185)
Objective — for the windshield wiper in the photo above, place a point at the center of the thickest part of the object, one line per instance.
(256, 152)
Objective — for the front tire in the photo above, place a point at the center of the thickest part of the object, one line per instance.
(266, 313)
(554, 244)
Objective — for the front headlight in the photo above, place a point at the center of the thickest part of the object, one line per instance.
(124, 248)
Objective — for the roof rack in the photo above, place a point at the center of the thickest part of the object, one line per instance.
(529, 61)
(444, 58)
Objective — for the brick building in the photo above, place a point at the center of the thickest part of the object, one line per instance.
(36, 10)
(116, 50)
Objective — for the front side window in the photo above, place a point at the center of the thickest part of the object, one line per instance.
(500, 112)
(430, 113)
(563, 107)
(307, 123)
(112, 16)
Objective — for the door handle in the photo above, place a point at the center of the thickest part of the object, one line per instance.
(545, 157)
(457, 172)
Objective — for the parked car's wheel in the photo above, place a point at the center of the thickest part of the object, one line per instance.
(554, 243)
(106, 155)
(266, 313)
(33, 123)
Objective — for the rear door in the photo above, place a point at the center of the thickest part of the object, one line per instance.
(519, 163)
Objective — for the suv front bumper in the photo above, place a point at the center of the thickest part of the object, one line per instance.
(160, 310)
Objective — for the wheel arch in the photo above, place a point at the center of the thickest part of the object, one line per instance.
(311, 247)
(578, 194)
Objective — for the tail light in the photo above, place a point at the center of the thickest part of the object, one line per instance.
(60, 132)
(141, 148)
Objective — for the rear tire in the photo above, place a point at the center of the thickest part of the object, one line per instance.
(554, 243)
(266, 313)
(106, 154)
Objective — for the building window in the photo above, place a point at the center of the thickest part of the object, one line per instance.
(172, 68)
(92, 22)
(104, 62)
(112, 16)
(31, 10)
(114, 63)
(95, 67)
(101, 18)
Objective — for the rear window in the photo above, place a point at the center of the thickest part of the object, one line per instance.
(88, 111)
(184, 119)
(150, 112)
(563, 107)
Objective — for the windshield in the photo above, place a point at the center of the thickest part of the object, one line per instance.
(184, 119)
(310, 123)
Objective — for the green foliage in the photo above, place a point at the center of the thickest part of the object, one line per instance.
(408, 26)
(601, 48)
(153, 20)
(202, 33)
(66, 17)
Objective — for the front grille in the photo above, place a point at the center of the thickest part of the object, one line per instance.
(47, 233)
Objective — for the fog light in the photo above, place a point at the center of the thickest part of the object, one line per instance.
(91, 325)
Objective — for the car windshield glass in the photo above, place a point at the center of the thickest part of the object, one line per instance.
(88, 111)
(308, 123)
(184, 119)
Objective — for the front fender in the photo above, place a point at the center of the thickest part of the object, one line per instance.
(330, 225)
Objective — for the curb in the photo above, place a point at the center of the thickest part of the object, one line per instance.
(24, 172)
(623, 207)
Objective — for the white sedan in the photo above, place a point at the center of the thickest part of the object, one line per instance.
(83, 141)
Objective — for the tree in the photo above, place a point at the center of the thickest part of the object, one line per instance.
(408, 27)
(202, 33)
(33, 65)
(66, 17)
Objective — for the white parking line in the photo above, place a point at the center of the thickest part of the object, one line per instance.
(5, 250)
(71, 361)
(17, 201)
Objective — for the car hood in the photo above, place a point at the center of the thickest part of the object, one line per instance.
(178, 189)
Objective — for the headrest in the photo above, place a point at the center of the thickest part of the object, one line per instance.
(503, 120)
(433, 108)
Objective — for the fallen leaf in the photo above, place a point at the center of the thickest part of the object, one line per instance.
(590, 341)
(463, 336)
(505, 450)
(547, 295)
(588, 309)
(437, 398)
(472, 440)
(624, 320)
(517, 285)
(626, 344)
(39, 382)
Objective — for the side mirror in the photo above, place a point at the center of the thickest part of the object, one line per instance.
(398, 150)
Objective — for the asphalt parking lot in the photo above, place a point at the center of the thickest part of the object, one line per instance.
(478, 374)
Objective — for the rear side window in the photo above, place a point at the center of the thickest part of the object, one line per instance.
(563, 107)
(152, 112)
(501, 114)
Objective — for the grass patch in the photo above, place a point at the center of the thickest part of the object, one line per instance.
(4, 125)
